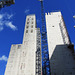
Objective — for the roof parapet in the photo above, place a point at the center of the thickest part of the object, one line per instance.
(51, 13)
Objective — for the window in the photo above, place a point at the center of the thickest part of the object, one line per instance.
(27, 22)
(32, 22)
(26, 31)
(27, 27)
(32, 19)
(31, 26)
(28, 19)
(52, 26)
(19, 46)
(31, 31)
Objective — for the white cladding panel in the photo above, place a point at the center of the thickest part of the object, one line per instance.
(53, 30)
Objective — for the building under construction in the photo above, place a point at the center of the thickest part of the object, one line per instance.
(26, 58)
(49, 52)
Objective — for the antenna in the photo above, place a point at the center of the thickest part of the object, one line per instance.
(45, 53)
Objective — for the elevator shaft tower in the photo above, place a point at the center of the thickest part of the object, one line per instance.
(45, 53)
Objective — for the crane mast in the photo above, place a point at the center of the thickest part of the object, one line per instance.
(45, 53)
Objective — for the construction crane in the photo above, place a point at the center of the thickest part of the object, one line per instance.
(45, 53)
(6, 3)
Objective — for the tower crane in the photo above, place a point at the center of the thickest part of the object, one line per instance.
(45, 53)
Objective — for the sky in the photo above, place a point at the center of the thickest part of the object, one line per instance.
(12, 22)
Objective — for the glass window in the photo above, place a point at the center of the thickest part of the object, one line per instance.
(27, 22)
(32, 26)
(28, 19)
(32, 22)
(52, 26)
(31, 31)
(26, 31)
(32, 19)
(19, 46)
(27, 26)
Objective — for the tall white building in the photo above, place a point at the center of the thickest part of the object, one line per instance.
(23, 58)
(62, 61)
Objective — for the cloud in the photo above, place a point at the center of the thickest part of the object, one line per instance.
(1, 16)
(27, 11)
(3, 58)
(9, 16)
(38, 20)
(1, 28)
(1, 23)
(5, 20)
(9, 24)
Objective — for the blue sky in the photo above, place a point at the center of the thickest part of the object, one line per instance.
(12, 22)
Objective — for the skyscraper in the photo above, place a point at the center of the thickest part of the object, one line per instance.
(24, 58)
(61, 51)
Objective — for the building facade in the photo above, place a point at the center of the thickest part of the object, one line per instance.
(61, 50)
(24, 58)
